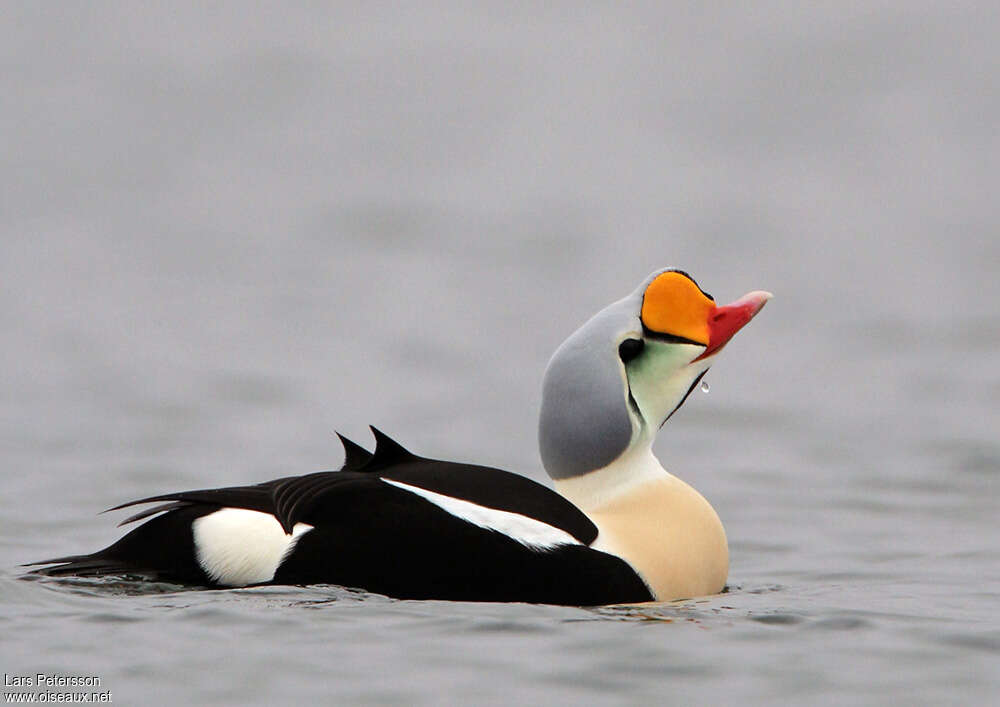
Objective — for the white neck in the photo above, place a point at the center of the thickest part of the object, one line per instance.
(597, 488)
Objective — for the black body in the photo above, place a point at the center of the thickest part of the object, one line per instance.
(378, 537)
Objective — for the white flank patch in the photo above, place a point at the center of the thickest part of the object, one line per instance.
(527, 531)
(237, 547)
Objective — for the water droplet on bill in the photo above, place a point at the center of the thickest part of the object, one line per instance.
(705, 387)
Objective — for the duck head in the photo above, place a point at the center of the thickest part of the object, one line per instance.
(614, 382)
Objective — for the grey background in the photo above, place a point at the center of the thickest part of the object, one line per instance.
(226, 231)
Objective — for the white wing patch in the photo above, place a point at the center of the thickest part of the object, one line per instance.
(527, 531)
(237, 547)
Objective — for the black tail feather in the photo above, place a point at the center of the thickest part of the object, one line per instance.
(57, 560)
(82, 566)
(162, 548)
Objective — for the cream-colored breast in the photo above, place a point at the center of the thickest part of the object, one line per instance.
(661, 526)
(669, 533)
(654, 521)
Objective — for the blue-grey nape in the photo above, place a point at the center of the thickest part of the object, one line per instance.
(585, 423)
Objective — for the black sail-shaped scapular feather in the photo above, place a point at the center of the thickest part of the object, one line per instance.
(387, 451)
(355, 456)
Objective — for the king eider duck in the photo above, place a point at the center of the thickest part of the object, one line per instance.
(618, 528)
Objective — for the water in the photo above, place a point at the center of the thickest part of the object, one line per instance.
(224, 235)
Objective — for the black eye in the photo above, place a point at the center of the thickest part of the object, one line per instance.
(629, 349)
